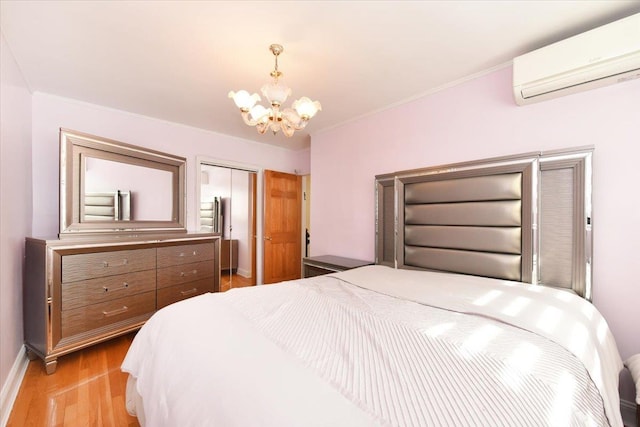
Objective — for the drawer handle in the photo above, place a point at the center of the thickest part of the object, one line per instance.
(125, 285)
(106, 263)
(116, 311)
(194, 253)
(183, 274)
(189, 292)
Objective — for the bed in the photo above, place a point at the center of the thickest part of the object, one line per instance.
(474, 314)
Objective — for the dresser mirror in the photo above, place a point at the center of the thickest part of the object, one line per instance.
(110, 187)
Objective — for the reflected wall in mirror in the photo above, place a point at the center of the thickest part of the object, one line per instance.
(108, 186)
(135, 192)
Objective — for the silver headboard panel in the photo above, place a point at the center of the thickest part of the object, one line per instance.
(565, 222)
(481, 218)
(107, 206)
(440, 234)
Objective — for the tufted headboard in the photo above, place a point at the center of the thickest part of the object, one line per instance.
(524, 218)
(107, 206)
(206, 216)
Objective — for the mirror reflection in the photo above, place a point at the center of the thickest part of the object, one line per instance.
(110, 187)
(115, 191)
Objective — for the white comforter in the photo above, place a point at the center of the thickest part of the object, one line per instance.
(324, 352)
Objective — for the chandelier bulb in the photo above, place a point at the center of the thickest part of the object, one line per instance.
(276, 49)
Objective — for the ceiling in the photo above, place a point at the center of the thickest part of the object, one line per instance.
(177, 60)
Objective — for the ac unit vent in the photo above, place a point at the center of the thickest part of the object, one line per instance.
(605, 55)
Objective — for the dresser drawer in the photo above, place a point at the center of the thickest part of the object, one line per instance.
(102, 289)
(101, 264)
(177, 274)
(95, 316)
(184, 254)
(173, 294)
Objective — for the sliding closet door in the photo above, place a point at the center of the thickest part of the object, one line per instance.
(227, 207)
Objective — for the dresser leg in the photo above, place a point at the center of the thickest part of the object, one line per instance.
(30, 354)
(50, 366)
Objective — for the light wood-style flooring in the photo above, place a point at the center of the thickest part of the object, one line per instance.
(228, 281)
(88, 388)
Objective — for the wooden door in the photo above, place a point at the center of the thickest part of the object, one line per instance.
(282, 226)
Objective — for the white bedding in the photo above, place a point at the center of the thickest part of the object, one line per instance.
(329, 351)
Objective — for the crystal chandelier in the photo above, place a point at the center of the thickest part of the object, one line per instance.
(288, 119)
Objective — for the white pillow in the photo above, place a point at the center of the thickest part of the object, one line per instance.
(633, 364)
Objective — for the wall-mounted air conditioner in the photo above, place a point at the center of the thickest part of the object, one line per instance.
(602, 56)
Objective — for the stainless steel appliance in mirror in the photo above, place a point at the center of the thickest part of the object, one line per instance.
(110, 187)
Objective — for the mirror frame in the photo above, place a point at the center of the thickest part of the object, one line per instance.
(75, 147)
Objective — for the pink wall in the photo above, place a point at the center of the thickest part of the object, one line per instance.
(15, 220)
(51, 113)
(479, 119)
(151, 190)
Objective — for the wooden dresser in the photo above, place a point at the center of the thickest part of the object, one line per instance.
(81, 292)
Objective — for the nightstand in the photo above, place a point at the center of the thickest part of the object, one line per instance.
(325, 264)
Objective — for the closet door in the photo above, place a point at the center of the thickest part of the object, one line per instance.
(228, 208)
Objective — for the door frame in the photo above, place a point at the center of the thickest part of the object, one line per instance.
(259, 255)
(306, 210)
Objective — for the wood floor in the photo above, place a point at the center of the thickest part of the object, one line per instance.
(228, 281)
(87, 389)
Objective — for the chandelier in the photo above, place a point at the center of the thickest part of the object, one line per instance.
(287, 119)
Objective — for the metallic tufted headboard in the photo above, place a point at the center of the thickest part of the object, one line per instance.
(525, 218)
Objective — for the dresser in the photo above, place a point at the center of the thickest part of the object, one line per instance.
(78, 292)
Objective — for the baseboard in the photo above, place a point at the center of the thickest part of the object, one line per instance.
(12, 386)
(628, 410)
(244, 273)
